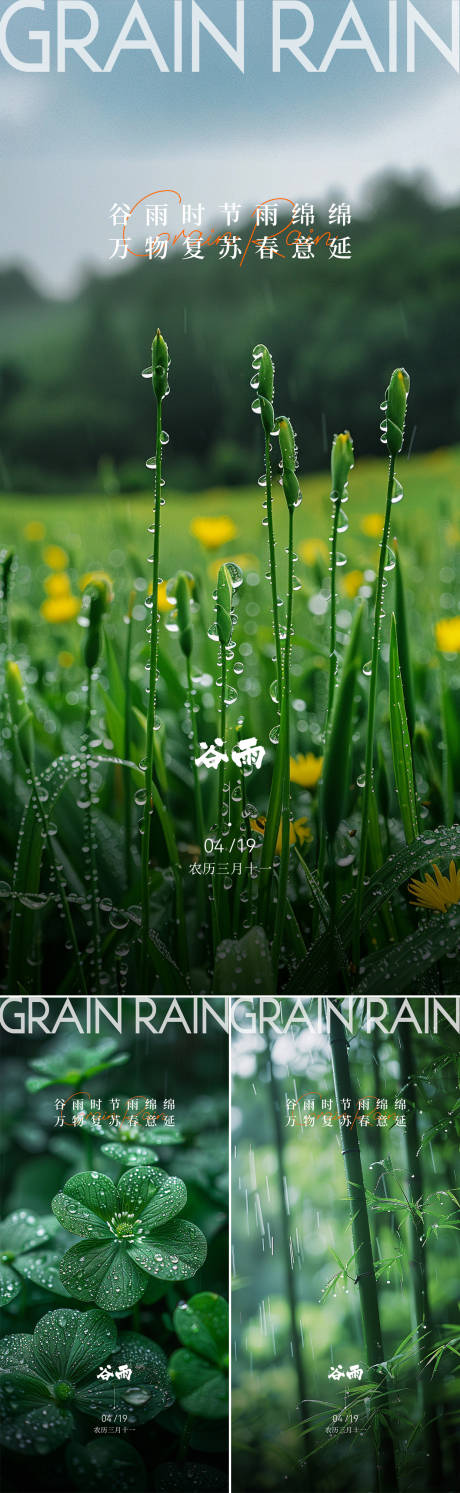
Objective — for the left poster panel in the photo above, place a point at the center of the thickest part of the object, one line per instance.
(114, 1244)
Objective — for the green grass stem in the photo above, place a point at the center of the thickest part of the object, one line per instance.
(151, 713)
(368, 773)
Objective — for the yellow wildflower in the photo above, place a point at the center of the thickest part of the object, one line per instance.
(164, 603)
(306, 771)
(34, 531)
(57, 584)
(60, 608)
(372, 525)
(96, 578)
(212, 533)
(55, 557)
(352, 582)
(298, 830)
(453, 535)
(245, 562)
(311, 550)
(438, 894)
(65, 659)
(448, 635)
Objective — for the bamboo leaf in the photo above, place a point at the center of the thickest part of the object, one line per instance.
(400, 743)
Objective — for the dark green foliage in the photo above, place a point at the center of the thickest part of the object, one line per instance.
(129, 1235)
(64, 1388)
(199, 1370)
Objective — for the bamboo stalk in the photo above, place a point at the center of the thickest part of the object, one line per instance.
(421, 1311)
(291, 1288)
(365, 1278)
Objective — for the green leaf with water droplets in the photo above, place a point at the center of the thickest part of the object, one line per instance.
(166, 1135)
(70, 1344)
(135, 1188)
(10, 1285)
(23, 1230)
(129, 1155)
(21, 1392)
(200, 1386)
(141, 1237)
(98, 1465)
(176, 1252)
(103, 1273)
(190, 1478)
(145, 1394)
(65, 1348)
(202, 1325)
(39, 1431)
(43, 1270)
(17, 1352)
(94, 1191)
(394, 970)
(78, 1220)
(170, 1196)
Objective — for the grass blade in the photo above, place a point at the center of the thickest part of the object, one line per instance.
(400, 743)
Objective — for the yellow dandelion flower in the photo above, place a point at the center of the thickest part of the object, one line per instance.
(245, 562)
(311, 550)
(34, 531)
(438, 892)
(306, 771)
(212, 533)
(299, 829)
(60, 608)
(65, 659)
(55, 557)
(352, 582)
(372, 525)
(164, 603)
(453, 536)
(447, 633)
(96, 578)
(57, 584)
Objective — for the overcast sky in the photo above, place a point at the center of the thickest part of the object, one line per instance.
(74, 144)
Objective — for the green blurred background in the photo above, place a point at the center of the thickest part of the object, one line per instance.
(75, 415)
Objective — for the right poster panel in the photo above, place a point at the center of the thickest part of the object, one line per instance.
(346, 1259)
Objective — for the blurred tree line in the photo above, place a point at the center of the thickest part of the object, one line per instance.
(73, 411)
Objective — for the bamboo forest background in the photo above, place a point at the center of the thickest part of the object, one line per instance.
(297, 1240)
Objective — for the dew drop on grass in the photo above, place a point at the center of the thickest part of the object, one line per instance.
(367, 668)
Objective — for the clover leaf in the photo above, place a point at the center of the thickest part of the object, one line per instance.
(130, 1233)
(44, 1378)
(129, 1141)
(21, 1233)
(199, 1370)
(98, 1465)
(70, 1062)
